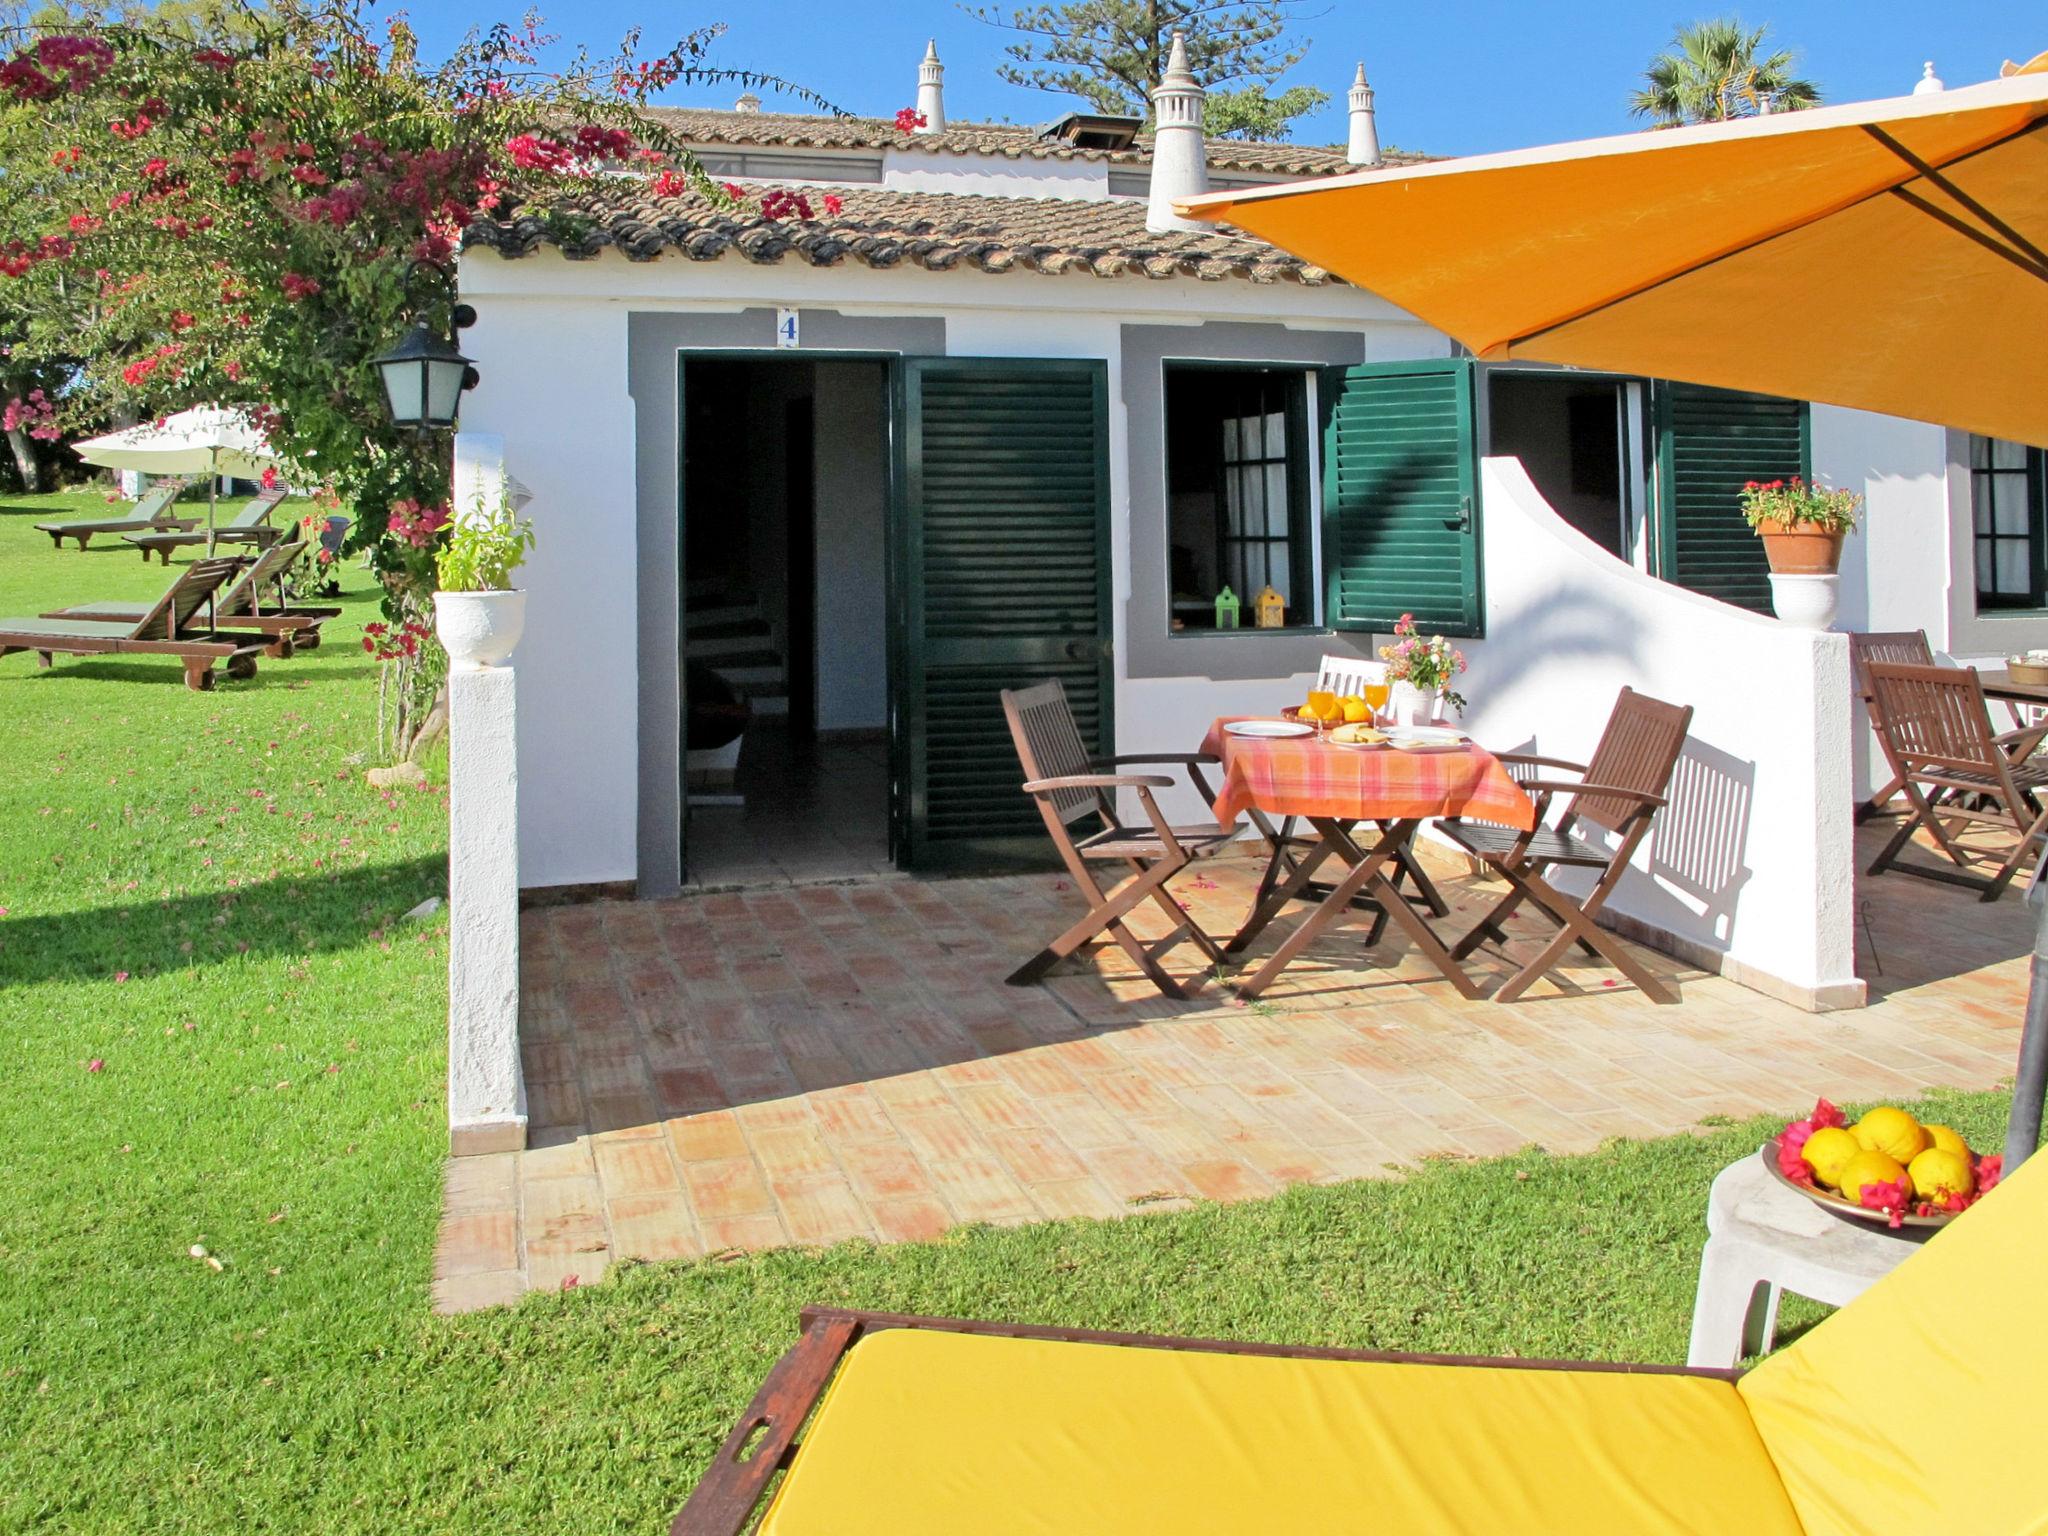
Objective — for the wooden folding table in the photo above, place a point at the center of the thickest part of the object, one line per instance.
(1334, 788)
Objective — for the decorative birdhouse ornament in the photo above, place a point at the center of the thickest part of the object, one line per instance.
(1226, 609)
(1272, 609)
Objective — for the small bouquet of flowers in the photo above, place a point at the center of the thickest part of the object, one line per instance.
(1426, 665)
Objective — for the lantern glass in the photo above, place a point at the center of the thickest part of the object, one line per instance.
(405, 389)
(444, 390)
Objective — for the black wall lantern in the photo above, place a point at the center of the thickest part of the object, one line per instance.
(425, 375)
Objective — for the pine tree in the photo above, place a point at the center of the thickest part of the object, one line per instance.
(1112, 53)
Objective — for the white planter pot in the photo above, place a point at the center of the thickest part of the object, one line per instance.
(1806, 602)
(1412, 705)
(479, 629)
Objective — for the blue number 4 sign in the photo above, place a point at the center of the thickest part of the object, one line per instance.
(785, 328)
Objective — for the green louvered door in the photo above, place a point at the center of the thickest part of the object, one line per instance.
(1709, 442)
(1003, 579)
(1401, 497)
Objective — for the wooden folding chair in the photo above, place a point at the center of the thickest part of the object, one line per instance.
(1955, 773)
(1620, 791)
(1909, 647)
(1070, 789)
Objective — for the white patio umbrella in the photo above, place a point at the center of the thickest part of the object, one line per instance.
(210, 440)
(1886, 255)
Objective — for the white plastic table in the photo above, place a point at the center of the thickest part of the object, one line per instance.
(1762, 1238)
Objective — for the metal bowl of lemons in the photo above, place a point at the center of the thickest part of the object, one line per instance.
(1886, 1167)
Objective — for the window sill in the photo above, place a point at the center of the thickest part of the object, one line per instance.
(1296, 631)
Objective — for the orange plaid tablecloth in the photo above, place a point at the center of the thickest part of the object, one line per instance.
(1301, 776)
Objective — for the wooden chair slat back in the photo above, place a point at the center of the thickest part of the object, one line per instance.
(155, 503)
(1904, 647)
(246, 595)
(1935, 717)
(1638, 750)
(1348, 674)
(169, 614)
(1049, 745)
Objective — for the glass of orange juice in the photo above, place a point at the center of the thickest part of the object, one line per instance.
(1322, 704)
(1376, 696)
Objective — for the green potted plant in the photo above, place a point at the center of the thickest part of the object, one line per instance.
(1802, 524)
(477, 614)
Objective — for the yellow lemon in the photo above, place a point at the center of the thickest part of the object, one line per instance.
(1941, 1136)
(1867, 1168)
(1938, 1173)
(1827, 1151)
(1356, 710)
(1891, 1131)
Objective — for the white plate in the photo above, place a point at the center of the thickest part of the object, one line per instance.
(1426, 738)
(1267, 728)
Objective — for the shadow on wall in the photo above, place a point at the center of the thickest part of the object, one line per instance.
(1693, 867)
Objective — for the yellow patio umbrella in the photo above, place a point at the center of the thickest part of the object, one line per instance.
(1889, 255)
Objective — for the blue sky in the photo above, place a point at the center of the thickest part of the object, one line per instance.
(1452, 76)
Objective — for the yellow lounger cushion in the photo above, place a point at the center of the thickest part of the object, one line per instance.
(1917, 1408)
(945, 1434)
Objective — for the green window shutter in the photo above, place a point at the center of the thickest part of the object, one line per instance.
(1005, 581)
(1401, 497)
(1709, 442)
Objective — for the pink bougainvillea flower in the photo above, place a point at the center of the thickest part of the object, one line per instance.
(1791, 1142)
(1989, 1169)
(570, 1282)
(1889, 1196)
(1824, 1115)
(909, 119)
(833, 203)
(96, 1065)
(120, 975)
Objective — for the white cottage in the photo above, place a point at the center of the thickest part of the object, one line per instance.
(994, 413)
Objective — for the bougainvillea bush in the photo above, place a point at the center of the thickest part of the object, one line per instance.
(253, 216)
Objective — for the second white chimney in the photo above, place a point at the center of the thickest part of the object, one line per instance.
(1180, 162)
(1364, 148)
(931, 95)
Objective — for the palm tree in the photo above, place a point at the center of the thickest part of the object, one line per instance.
(1717, 70)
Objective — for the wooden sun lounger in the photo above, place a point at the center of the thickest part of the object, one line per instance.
(161, 631)
(251, 525)
(150, 514)
(239, 607)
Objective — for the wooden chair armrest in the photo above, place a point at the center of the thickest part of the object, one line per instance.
(1185, 759)
(2031, 733)
(1099, 781)
(1537, 761)
(1595, 791)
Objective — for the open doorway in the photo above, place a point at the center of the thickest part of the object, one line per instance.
(1580, 437)
(785, 494)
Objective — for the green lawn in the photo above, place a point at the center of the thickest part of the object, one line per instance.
(198, 891)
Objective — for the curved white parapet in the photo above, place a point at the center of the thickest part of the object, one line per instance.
(1750, 869)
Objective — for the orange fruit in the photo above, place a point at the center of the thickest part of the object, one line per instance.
(1938, 1173)
(1356, 710)
(1867, 1168)
(1827, 1152)
(1891, 1131)
(1941, 1136)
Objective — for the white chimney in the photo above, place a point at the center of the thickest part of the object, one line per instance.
(1180, 165)
(931, 100)
(747, 103)
(1365, 133)
(1929, 82)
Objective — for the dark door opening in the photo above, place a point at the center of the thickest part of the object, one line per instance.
(1580, 439)
(785, 496)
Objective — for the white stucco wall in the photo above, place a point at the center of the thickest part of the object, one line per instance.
(911, 170)
(852, 551)
(554, 385)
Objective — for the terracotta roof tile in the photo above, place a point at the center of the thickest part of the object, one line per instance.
(800, 131)
(938, 231)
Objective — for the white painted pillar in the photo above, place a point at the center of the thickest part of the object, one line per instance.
(486, 1090)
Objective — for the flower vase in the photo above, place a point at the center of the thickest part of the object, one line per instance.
(1412, 705)
(479, 629)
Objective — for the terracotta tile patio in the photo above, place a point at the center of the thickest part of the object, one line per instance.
(805, 1065)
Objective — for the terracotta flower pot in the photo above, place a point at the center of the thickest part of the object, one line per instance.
(1797, 549)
